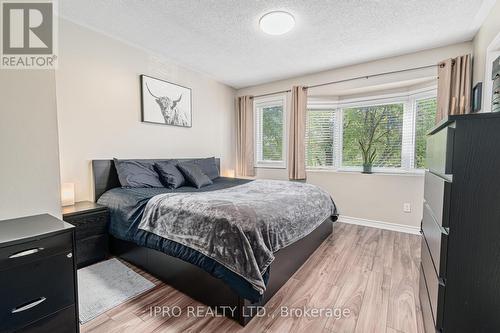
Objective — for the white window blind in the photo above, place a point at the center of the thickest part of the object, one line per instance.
(424, 120)
(270, 144)
(319, 137)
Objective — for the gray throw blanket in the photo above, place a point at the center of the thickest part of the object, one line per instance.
(240, 227)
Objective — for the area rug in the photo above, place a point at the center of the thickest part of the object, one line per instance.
(106, 285)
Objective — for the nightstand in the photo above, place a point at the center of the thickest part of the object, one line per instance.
(38, 275)
(91, 221)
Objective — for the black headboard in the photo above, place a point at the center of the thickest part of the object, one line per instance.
(106, 178)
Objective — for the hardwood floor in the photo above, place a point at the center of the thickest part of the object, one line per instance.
(371, 274)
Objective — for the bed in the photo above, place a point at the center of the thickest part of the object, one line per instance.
(186, 269)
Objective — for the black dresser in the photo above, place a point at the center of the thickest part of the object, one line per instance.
(91, 222)
(460, 268)
(495, 97)
(37, 276)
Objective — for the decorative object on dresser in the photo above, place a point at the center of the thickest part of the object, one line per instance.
(477, 95)
(459, 280)
(165, 103)
(38, 275)
(495, 99)
(90, 220)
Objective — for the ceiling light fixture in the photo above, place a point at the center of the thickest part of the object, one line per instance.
(277, 23)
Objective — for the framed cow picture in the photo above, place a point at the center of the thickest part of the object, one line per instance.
(165, 103)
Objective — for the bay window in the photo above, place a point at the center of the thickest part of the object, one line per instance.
(393, 127)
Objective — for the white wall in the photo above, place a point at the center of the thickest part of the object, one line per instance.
(98, 93)
(29, 172)
(377, 197)
(412, 60)
(488, 31)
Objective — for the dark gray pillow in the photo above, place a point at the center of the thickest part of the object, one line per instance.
(194, 174)
(135, 173)
(170, 176)
(208, 166)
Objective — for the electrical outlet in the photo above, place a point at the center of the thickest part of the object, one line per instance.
(407, 207)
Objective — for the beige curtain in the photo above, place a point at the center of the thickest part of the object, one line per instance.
(297, 134)
(454, 86)
(244, 137)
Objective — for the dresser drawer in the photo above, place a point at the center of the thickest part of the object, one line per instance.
(434, 286)
(27, 252)
(36, 290)
(439, 153)
(437, 194)
(437, 240)
(425, 305)
(62, 321)
(90, 224)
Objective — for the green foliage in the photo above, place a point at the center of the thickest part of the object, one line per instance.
(272, 133)
(373, 135)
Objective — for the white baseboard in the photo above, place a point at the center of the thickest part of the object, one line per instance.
(381, 225)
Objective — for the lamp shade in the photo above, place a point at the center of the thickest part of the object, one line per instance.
(228, 173)
(67, 194)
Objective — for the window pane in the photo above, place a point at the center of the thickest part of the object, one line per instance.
(319, 137)
(272, 133)
(425, 120)
(377, 130)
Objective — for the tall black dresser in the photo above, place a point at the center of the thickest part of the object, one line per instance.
(460, 268)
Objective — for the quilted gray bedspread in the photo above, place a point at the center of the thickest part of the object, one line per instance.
(240, 227)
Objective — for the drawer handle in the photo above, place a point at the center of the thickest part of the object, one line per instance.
(29, 305)
(496, 92)
(26, 252)
(496, 103)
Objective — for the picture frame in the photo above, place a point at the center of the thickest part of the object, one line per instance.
(165, 103)
(477, 96)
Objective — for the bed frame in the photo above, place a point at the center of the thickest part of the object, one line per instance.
(194, 281)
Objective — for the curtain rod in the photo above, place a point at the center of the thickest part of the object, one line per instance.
(273, 93)
(350, 79)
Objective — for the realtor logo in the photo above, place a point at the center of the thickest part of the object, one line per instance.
(28, 35)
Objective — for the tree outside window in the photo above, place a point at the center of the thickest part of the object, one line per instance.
(272, 133)
(376, 129)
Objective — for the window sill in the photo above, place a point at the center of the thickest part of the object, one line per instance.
(413, 173)
(270, 166)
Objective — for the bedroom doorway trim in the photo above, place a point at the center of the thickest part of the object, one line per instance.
(492, 52)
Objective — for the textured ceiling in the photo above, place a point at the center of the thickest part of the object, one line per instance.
(222, 39)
